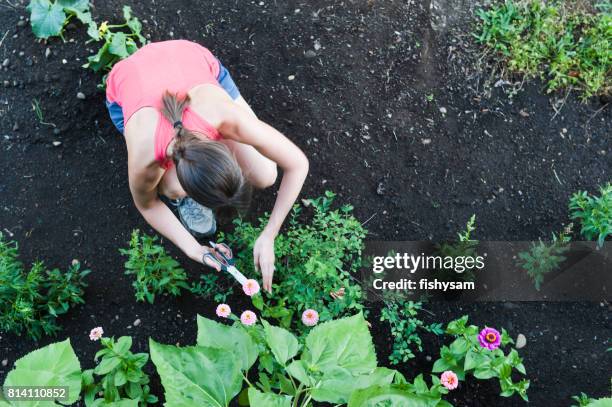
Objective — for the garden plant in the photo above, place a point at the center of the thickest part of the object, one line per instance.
(566, 45)
(31, 300)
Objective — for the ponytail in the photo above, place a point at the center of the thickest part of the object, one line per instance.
(207, 170)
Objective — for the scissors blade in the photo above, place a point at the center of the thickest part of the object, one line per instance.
(237, 274)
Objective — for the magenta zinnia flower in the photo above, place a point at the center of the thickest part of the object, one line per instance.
(250, 287)
(489, 338)
(248, 318)
(223, 310)
(96, 333)
(310, 317)
(449, 380)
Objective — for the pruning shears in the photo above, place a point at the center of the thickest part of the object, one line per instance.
(223, 258)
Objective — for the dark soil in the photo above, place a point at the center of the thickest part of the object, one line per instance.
(359, 107)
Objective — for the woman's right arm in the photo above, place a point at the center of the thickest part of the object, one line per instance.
(143, 186)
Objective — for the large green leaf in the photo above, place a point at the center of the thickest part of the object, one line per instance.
(118, 45)
(344, 343)
(283, 344)
(47, 18)
(231, 338)
(196, 375)
(54, 365)
(337, 386)
(257, 398)
(80, 8)
(377, 395)
(607, 402)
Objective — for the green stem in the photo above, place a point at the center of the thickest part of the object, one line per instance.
(246, 379)
(297, 395)
(307, 400)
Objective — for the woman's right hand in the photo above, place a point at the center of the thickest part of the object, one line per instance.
(198, 255)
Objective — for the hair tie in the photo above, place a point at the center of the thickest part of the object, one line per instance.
(177, 123)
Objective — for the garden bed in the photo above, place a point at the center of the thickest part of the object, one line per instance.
(389, 105)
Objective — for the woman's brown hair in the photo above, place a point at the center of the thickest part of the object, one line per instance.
(206, 169)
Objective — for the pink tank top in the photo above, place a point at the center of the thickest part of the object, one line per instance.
(141, 80)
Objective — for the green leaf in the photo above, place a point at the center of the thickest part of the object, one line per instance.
(297, 369)
(336, 387)
(377, 395)
(47, 18)
(107, 364)
(344, 343)
(196, 375)
(118, 45)
(232, 338)
(53, 365)
(257, 398)
(474, 360)
(283, 344)
(123, 345)
(607, 402)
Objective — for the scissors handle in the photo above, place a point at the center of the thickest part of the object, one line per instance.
(210, 260)
(224, 251)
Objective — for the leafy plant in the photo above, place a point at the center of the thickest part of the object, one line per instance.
(583, 400)
(54, 365)
(155, 271)
(464, 247)
(211, 286)
(405, 325)
(567, 45)
(314, 260)
(465, 355)
(543, 258)
(121, 378)
(330, 367)
(48, 18)
(594, 213)
(31, 301)
(117, 44)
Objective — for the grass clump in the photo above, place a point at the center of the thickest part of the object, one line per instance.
(560, 42)
(31, 300)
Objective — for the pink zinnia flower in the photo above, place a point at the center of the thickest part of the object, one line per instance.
(449, 380)
(223, 310)
(250, 287)
(489, 338)
(310, 317)
(248, 318)
(96, 333)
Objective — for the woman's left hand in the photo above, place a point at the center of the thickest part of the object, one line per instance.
(263, 257)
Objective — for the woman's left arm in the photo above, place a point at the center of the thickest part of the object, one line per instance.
(242, 126)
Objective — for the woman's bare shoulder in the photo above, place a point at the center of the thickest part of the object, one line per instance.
(140, 140)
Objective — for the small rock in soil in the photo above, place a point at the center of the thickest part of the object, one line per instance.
(15, 126)
(443, 110)
(291, 77)
(80, 96)
(4, 362)
(57, 143)
(380, 190)
(426, 141)
(47, 52)
(137, 322)
(20, 23)
(310, 54)
(521, 341)
(6, 62)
